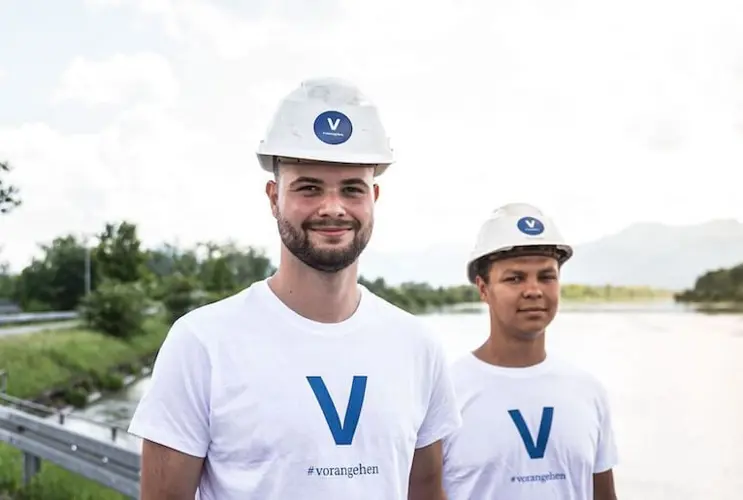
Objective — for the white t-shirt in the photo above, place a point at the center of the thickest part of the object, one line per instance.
(535, 433)
(285, 408)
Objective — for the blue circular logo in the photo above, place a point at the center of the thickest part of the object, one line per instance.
(333, 127)
(530, 226)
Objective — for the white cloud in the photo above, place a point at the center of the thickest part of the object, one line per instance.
(119, 79)
(104, 3)
(172, 180)
(328, 28)
(601, 114)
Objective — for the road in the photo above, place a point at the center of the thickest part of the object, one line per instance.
(52, 325)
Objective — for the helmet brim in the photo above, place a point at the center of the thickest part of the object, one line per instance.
(561, 253)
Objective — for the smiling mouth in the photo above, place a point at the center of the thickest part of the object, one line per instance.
(330, 230)
(533, 310)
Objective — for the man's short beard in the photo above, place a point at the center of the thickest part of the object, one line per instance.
(327, 261)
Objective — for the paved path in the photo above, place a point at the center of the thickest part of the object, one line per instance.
(38, 327)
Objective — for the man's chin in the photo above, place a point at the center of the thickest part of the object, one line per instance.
(330, 265)
(532, 332)
(330, 239)
(334, 250)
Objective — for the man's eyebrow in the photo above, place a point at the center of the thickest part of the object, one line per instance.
(509, 270)
(354, 182)
(543, 270)
(304, 179)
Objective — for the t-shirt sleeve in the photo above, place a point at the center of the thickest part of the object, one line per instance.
(442, 415)
(174, 410)
(606, 451)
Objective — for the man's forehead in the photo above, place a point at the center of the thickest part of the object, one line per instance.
(526, 263)
(325, 173)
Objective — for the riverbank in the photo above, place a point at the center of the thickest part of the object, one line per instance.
(612, 293)
(714, 307)
(61, 368)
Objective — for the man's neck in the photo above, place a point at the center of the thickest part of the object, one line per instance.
(501, 350)
(318, 296)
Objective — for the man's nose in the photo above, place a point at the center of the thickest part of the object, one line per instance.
(332, 206)
(532, 290)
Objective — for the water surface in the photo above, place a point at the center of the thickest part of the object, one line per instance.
(674, 380)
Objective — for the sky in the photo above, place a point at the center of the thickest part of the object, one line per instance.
(603, 114)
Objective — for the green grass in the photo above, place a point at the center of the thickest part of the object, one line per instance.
(52, 483)
(609, 293)
(55, 360)
(39, 362)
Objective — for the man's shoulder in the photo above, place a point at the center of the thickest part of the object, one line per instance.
(574, 370)
(400, 322)
(576, 375)
(220, 309)
(225, 313)
(388, 311)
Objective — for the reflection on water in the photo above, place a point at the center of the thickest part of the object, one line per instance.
(673, 378)
(117, 411)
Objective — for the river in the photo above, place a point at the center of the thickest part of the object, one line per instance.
(674, 379)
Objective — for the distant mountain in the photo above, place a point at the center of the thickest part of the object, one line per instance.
(657, 255)
(646, 254)
(438, 265)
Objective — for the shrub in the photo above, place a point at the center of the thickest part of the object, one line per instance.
(116, 309)
(180, 294)
(76, 396)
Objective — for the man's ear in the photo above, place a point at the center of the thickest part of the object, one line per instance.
(482, 288)
(272, 192)
(376, 192)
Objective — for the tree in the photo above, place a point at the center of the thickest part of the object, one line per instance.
(115, 308)
(228, 268)
(180, 294)
(119, 255)
(7, 281)
(217, 270)
(175, 278)
(9, 195)
(169, 259)
(56, 280)
(718, 285)
(418, 297)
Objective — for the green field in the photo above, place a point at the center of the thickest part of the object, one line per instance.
(70, 363)
(611, 293)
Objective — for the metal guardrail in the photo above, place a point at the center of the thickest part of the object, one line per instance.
(12, 319)
(39, 317)
(40, 438)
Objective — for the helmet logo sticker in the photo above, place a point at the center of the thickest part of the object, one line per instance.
(530, 226)
(333, 127)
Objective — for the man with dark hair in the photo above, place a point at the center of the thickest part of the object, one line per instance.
(534, 427)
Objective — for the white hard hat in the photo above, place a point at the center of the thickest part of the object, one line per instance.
(329, 120)
(521, 229)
